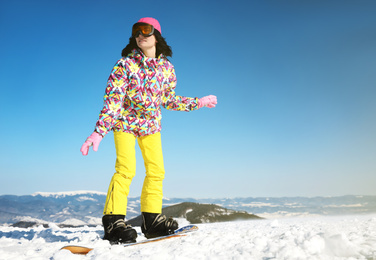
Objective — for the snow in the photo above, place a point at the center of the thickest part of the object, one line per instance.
(67, 193)
(340, 237)
(73, 221)
(258, 205)
(83, 198)
(285, 214)
(344, 206)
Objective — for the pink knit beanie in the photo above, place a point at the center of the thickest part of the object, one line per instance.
(151, 21)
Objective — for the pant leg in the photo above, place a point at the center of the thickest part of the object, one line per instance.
(152, 190)
(117, 195)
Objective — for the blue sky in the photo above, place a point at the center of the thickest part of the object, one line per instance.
(295, 82)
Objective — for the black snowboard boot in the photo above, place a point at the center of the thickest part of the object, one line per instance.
(156, 225)
(116, 231)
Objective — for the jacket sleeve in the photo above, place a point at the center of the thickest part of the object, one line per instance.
(170, 100)
(113, 99)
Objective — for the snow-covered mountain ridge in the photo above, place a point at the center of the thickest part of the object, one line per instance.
(66, 193)
(85, 207)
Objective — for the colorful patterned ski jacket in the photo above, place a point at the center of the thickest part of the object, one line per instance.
(136, 89)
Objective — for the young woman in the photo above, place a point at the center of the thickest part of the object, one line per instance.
(139, 84)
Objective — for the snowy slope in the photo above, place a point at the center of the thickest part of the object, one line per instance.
(350, 237)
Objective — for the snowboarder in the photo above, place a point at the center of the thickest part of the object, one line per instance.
(140, 82)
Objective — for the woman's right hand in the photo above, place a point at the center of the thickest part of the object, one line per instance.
(93, 140)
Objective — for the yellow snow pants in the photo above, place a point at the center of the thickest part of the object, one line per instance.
(152, 193)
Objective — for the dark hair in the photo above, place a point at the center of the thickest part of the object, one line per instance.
(162, 47)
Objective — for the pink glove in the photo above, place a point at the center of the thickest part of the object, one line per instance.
(208, 101)
(93, 140)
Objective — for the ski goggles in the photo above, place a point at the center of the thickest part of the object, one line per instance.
(142, 28)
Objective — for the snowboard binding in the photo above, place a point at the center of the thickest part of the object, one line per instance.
(116, 231)
(156, 225)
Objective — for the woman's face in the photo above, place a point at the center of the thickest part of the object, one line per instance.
(146, 43)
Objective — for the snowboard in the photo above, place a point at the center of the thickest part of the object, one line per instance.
(82, 250)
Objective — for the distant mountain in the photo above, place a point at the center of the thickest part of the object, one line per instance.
(86, 207)
(197, 213)
(82, 207)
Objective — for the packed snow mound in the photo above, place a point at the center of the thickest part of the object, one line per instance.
(321, 238)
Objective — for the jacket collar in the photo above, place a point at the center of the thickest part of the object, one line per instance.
(140, 57)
